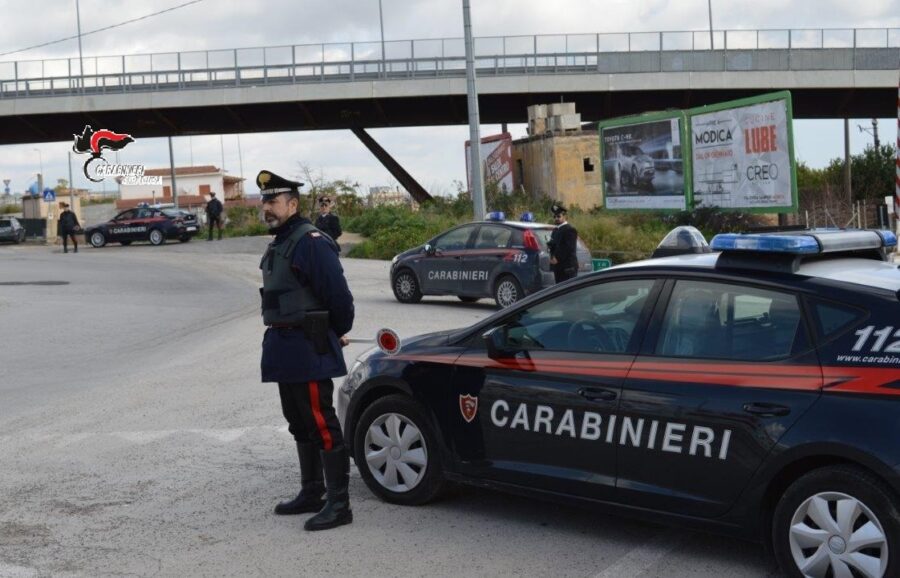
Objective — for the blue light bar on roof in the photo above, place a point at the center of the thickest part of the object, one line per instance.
(527, 217)
(766, 243)
(496, 216)
(807, 242)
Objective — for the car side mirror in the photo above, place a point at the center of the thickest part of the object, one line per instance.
(430, 250)
(497, 343)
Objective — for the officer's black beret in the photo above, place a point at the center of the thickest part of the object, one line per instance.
(271, 185)
(557, 208)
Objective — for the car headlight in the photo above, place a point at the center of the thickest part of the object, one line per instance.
(358, 372)
(395, 259)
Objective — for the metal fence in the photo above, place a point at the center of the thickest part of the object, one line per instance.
(734, 50)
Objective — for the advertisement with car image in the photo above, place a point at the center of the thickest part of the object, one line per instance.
(642, 162)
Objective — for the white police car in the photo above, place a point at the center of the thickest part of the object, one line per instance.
(505, 260)
(753, 390)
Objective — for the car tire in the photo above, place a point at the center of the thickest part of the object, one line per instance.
(156, 237)
(97, 239)
(20, 237)
(185, 238)
(465, 299)
(406, 287)
(381, 432)
(124, 243)
(507, 291)
(815, 502)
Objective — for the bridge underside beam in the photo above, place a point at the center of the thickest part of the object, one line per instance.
(398, 172)
(46, 125)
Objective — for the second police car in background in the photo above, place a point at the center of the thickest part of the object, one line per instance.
(505, 260)
(144, 223)
(754, 390)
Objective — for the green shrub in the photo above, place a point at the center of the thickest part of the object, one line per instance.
(10, 209)
(244, 222)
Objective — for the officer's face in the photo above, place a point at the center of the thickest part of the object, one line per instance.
(324, 207)
(559, 218)
(278, 210)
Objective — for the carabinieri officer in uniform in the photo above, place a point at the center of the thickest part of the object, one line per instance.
(308, 308)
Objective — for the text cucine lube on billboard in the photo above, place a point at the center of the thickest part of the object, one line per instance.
(742, 155)
(733, 155)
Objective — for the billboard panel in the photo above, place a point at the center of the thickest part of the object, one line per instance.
(643, 165)
(496, 161)
(742, 155)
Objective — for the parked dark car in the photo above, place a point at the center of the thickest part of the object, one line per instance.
(144, 224)
(752, 390)
(504, 260)
(11, 230)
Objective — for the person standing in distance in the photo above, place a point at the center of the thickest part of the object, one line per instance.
(563, 244)
(328, 222)
(67, 226)
(308, 308)
(214, 215)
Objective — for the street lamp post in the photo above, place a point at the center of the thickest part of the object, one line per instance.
(381, 23)
(709, 6)
(80, 56)
(474, 119)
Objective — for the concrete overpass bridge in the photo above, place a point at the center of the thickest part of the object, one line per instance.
(831, 73)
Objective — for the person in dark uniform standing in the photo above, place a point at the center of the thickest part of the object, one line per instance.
(67, 226)
(308, 309)
(563, 244)
(214, 215)
(328, 222)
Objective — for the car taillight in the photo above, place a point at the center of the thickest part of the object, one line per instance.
(531, 241)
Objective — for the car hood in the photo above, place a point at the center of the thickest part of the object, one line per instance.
(409, 253)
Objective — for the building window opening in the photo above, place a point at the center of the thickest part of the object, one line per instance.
(588, 165)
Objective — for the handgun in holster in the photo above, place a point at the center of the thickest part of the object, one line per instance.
(315, 326)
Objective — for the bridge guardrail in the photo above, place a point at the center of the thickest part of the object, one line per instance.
(736, 50)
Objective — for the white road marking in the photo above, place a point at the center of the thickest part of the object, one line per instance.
(643, 557)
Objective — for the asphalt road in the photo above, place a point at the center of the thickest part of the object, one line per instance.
(137, 440)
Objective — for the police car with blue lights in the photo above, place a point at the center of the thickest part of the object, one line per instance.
(154, 224)
(503, 260)
(750, 386)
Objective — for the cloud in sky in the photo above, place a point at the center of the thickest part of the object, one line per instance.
(434, 155)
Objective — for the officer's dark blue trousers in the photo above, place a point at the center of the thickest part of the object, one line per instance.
(309, 411)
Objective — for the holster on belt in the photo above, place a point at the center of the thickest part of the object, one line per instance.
(315, 326)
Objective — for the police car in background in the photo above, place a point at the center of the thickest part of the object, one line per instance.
(505, 260)
(753, 389)
(144, 223)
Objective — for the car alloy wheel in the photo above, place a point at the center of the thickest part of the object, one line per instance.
(834, 534)
(396, 454)
(156, 237)
(507, 292)
(97, 239)
(406, 288)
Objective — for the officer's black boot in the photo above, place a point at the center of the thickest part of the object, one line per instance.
(312, 484)
(337, 510)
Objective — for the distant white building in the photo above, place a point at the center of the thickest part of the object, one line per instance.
(383, 196)
(197, 181)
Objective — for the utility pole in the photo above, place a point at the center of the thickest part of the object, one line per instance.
(875, 133)
(172, 168)
(847, 161)
(474, 121)
(71, 188)
(80, 56)
(381, 21)
(709, 5)
(240, 165)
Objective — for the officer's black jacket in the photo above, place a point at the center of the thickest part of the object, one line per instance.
(287, 355)
(214, 208)
(67, 223)
(563, 243)
(329, 224)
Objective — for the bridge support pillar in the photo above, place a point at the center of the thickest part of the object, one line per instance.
(398, 172)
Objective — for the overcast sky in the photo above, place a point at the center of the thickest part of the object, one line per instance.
(434, 155)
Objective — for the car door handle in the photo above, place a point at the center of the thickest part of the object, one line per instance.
(766, 409)
(596, 394)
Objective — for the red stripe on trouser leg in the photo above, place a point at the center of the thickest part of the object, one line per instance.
(317, 414)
